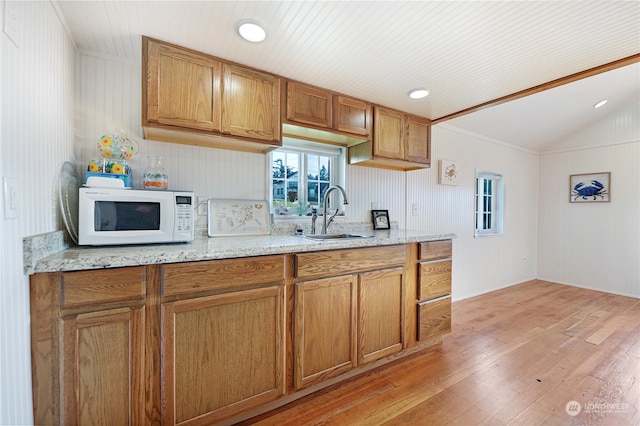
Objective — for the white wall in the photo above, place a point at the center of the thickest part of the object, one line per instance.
(595, 245)
(485, 263)
(36, 137)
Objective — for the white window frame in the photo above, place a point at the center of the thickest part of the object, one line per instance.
(489, 204)
(304, 148)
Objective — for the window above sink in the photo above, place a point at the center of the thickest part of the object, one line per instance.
(299, 173)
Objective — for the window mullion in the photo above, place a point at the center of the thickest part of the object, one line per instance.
(302, 183)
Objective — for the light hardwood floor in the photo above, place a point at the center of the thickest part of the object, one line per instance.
(516, 356)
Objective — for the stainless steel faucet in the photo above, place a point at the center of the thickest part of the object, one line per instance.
(324, 205)
(314, 217)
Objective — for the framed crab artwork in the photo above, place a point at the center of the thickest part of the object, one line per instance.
(449, 173)
(590, 188)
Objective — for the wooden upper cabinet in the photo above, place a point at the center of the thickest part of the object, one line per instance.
(309, 105)
(183, 87)
(323, 109)
(388, 134)
(418, 139)
(193, 98)
(400, 142)
(250, 104)
(352, 115)
(401, 136)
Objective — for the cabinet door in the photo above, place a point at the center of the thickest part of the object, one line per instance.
(324, 329)
(250, 104)
(309, 105)
(388, 135)
(418, 139)
(222, 354)
(102, 368)
(380, 314)
(182, 88)
(352, 116)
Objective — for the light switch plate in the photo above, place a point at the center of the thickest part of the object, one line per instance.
(11, 202)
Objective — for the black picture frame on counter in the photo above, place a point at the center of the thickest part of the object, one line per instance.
(380, 219)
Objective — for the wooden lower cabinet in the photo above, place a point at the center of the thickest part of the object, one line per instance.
(198, 343)
(381, 314)
(324, 329)
(88, 347)
(434, 289)
(102, 381)
(223, 354)
(349, 320)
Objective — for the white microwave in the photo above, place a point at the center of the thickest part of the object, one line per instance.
(109, 216)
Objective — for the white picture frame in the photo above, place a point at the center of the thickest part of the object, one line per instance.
(449, 173)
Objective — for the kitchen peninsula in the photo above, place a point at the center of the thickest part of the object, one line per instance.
(222, 329)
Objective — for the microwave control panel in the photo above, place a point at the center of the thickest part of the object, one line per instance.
(184, 213)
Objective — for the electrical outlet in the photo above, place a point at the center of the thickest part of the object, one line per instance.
(374, 205)
(203, 205)
(414, 209)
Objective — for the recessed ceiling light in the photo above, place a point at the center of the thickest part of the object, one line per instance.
(251, 31)
(601, 103)
(418, 93)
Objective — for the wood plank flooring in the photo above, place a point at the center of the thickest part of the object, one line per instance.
(517, 356)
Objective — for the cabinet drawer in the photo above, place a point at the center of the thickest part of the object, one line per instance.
(435, 250)
(337, 262)
(435, 279)
(434, 318)
(85, 288)
(196, 277)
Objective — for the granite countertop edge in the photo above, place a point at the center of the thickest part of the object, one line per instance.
(77, 258)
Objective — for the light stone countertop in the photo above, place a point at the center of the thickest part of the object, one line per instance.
(77, 258)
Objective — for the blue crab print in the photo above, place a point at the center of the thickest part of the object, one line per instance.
(595, 189)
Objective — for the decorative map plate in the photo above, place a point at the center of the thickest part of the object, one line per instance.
(238, 217)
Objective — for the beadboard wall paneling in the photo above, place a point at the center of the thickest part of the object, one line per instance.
(593, 245)
(38, 101)
(486, 263)
(380, 188)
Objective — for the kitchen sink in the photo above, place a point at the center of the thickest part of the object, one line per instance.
(329, 237)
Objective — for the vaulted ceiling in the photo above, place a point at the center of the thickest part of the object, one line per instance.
(466, 53)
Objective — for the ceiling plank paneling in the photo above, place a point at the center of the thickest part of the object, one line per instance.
(467, 53)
